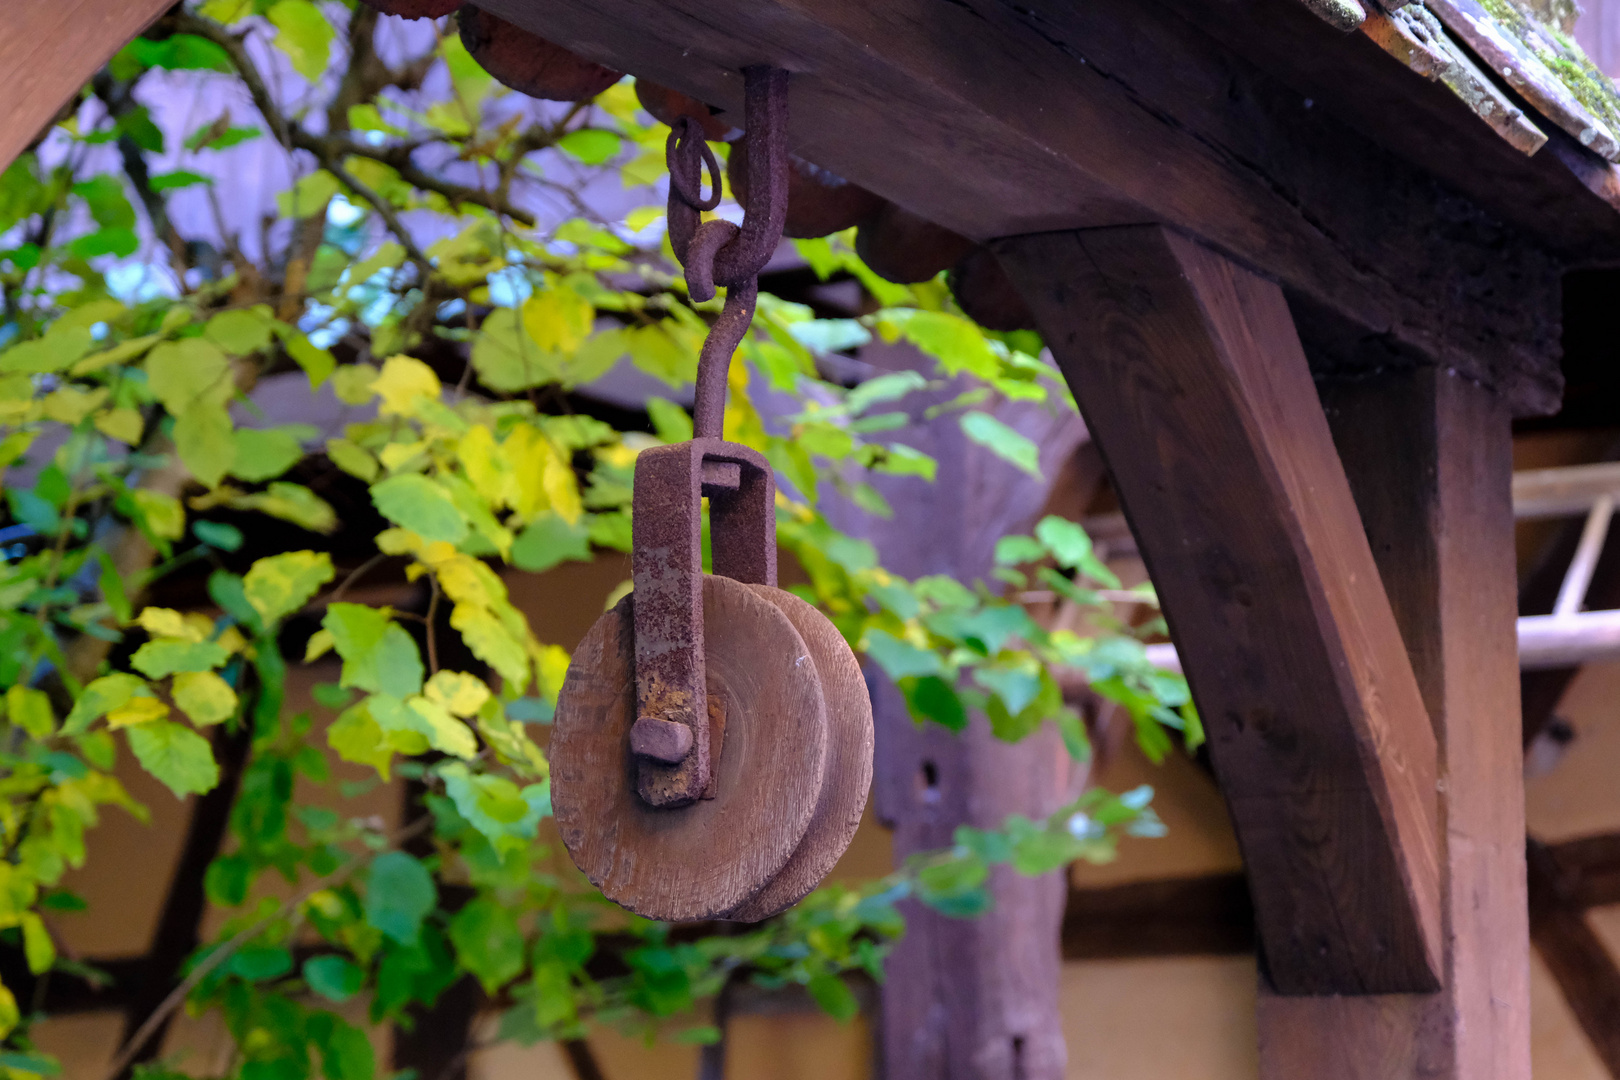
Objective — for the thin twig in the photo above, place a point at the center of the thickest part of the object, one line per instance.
(355, 575)
(431, 619)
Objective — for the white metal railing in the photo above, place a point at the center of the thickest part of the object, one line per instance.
(1570, 636)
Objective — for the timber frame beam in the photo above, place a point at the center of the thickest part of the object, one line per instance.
(1194, 386)
(997, 119)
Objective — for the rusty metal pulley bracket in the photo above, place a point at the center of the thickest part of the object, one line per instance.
(671, 738)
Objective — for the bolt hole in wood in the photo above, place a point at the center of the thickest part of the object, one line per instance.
(928, 784)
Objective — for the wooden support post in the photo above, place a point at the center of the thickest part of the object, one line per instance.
(967, 999)
(1428, 456)
(1193, 383)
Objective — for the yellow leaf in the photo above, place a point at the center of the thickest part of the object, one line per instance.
(562, 489)
(395, 456)
(551, 667)
(166, 622)
(69, 405)
(444, 732)
(490, 641)
(486, 467)
(122, 424)
(461, 693)
(467, 580)
(352, 383)
(163, 513)
(403, 385)
(9, 1016)
(558, 320)
(320, 643)
(231, 640)
(527, 451)
(204, 696)
(137, 710)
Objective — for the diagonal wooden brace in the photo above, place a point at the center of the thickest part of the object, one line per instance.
(1193, 382)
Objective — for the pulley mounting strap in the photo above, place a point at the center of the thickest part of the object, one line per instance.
(671, 738)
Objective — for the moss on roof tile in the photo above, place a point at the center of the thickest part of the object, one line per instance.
(1558, 50)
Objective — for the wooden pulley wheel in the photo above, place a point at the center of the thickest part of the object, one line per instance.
(819, 203)
(415, 9)
(712, 747)
(528, 63)
(793, 763)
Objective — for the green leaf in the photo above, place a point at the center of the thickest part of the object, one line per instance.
(399, 895)
(181, 52)
(428, 719)
(415, 502)
(1071, 547)
(488, 942)
(290, 502)
(53, 352)
(507, 359)
(310, 194)
(227, 879)
(239, 332)
(179, 178)
(834, 996)
(263, 453)
(558, 320)
(177, 756)
(164, 657)
(305, 36)
(883, 388)
(346, 1053)
(30, 709)
(378, 655)
(670, 422)
(109, 206)
(217, 534)
(550, 540)
(955, 342)
(279, 585)
(1002, 441)
(38, 948)
(181, 372)
(204, 697)
(204, 441)
(655, 351)
(898, 658)
(318, 364)
(590, 145)
(260, 963)
(333, 977)
(34, 1064)
(356, 737)
(99, 698)
(353, 459)
(932, 698)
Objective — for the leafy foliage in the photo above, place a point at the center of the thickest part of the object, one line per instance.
(131, 346)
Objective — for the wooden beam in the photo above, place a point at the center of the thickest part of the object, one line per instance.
(1194, 386)
(1579, 961)
(1588, 869)
(1193, 916)
(996, 119)
(1428, 457)
(1420, 119)
(50, 48)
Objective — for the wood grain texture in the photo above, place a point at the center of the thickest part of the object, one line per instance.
(1428, 457)
(702, 860)
(1194, 386)
(992, 119)
(50, 48)
(848, 770)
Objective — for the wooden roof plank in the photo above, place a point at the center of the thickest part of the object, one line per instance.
(1415, 38)
(1525, 72)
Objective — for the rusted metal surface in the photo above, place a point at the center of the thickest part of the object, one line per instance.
(667, 569)
(671, 738)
